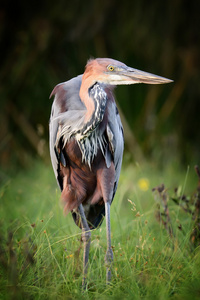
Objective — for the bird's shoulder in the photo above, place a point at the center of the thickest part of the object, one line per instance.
(66, 95)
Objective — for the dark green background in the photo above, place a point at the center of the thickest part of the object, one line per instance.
(47, 42)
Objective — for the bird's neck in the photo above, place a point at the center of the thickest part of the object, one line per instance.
(95, 98)
(85, 98)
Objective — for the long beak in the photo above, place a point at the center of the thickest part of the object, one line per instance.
(137, 76)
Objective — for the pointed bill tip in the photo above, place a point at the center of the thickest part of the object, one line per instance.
(138, 76)
(156, 80)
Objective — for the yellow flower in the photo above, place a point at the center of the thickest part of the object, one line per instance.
(143, 184)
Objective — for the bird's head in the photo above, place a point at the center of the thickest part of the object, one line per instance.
(113, 72)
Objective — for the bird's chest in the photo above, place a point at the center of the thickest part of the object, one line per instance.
(83, 153)
(89, 146)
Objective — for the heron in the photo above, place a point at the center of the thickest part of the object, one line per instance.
(87, 143)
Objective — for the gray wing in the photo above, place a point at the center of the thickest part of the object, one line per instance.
(116, 140)
(66, 100)
(114, 152)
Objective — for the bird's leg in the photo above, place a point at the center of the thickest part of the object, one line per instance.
(109, 252)
(86, 238)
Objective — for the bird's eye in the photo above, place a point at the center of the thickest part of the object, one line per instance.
(110, 68)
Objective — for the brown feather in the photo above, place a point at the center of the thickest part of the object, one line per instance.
(82, 184)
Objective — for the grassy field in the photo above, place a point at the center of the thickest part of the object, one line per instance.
(39, 245)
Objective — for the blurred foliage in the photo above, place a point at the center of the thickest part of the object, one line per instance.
(44, 43)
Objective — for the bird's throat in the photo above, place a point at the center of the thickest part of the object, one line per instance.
(95, 103)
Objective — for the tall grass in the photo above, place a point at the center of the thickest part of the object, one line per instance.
(40, 253)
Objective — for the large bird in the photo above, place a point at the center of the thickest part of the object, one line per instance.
(86, 144)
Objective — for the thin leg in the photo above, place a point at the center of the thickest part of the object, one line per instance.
(86, 238)
(109, 252)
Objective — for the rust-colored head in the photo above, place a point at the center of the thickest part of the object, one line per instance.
(113, 72)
